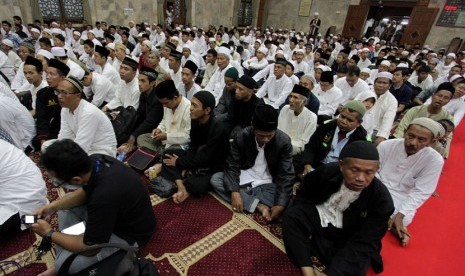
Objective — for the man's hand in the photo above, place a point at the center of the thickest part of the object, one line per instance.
(170, 160)
(157, 134)
(276, 212)
(44, 211)
(236, 202)
(307, 169)
(379, 140)
(41, 228)
(396, 226)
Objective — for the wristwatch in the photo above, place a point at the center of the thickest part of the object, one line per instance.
(48, 236)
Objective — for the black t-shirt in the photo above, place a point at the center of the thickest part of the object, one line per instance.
(117, 203)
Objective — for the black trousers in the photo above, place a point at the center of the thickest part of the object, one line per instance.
(11, 225)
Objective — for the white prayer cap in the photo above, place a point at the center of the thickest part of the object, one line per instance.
(455, 77)
(452, 55)
(35, 30)
(194, 28)
(364, 95)
(323, 68)
(301, 51)
(435, 60)
(225, 51)
(127, 51)
(274, 34)
(427, 123)
(58, 51)
(263, 50)
(241, 38)
(311, 39)
(384, 75)
(322, 40)
(385, 62)
(433, 54)
(48, 31)
(140, 34)
(424, 51)
(76, 33)
(110, 46)
(365, 50)
(402, 65)
(54, 23)
(175, 38)
(178, 28)
(211, 39)
(366, 70)
(45, 54)
(268, 33)
(258, 41)
(188, 29)
(310, 78)
(148, 43)
(247, 39)
(148, 29)
(90, 31)
(186, 46)
(8, 43)
(316, 14)
(57, 31)
(405, 53)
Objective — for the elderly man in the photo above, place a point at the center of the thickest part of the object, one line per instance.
(296, 120)
(127, 93)
(385, 107)
(216, 83)
(364, 61)
(309, 81)
(331, 137)
(258, 173)
(410, 169)
(339, 216)
(277, 87)
(82, 121)
(110, 208)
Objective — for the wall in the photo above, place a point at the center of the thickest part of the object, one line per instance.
(14, 7)
(284, 14)
(112, 11)
(440, 37)
(208, 12)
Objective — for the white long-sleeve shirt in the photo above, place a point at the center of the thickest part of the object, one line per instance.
(127, 94)
(102, 88)
(6, 66)
(17, 121)
(90, 128)
(301, 67)
(456, 108)
(276, 90)
(177, 124)
(350, 92)
(110, 73)
(21, 182)
(75, 70)
(299, 128)
(385, 110)
(329, 100)
(254, 63)
(216, 83)
(410, 179)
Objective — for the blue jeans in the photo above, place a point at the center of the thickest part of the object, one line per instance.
(250, 196)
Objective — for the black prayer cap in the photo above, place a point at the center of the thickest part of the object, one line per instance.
(171, 46)
(448, 86)
(185, 33)
(55, 63)
(327, 76)
(302, 90)
(281, 61)
(102, 50)
(247, 82)
(355, 58)
(110, 36)
(149, 72)
(130, 62)
(177, 55)
(191, 66)
(265, 118)
(360, 150)
(166, 89)
(206, 98)
(34, 62)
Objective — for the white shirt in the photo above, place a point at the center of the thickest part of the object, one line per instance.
(299, 128)
(102, 88)
(264, 72)
(350, 92)
(255, 64)
(276, 90)
(90, 128)
(456, 108)
(331, 211)
(209, 71)
(301, 67)
(127, 94)
(20, 83)
(216, 83)
(188, 94)
(14, 59)
(385, 110)
(259, 173)
(426, 84)
(363, 63)
(23, 188)
(329, 99)
(411, 180)
(116, 64)
(6, 91)
(17, 121)
(158, 39)
(6, 66)
(177, 124)
(176, 77)
(34, 91)
(75, 70)
(110, 73)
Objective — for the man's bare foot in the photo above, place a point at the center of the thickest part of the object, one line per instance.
(180, 196)
(49, 272)
(265, 211)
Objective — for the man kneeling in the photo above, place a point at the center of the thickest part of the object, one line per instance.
(340, 215)
(259, 171)
(111, 200)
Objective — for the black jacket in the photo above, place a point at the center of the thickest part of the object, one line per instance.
(240, 113)
(278, 155)
(48, 114)
(149, 114)
(320, 143)
(365, 221)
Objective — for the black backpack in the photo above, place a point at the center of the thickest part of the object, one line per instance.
(122, 262)
(124, 123)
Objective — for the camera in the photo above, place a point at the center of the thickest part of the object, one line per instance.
(29, 219)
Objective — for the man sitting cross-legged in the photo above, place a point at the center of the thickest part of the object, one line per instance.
(191, 170)
(259, 171)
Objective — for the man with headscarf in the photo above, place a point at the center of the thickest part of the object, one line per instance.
(230, 78)
(410, 169)
(206, 155)
(258, 174)
(216, 83)
(339, 216)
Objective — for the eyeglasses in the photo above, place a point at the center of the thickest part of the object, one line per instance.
(64, 93)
